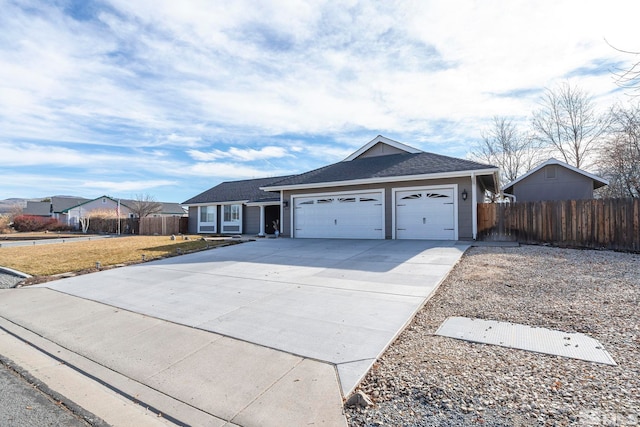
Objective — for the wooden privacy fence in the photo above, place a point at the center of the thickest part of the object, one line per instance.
(599, 223)
(163, 225)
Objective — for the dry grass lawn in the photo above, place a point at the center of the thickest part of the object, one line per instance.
(49, 259)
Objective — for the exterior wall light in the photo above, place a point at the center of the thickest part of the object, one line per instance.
(285, 204)
(464, 194)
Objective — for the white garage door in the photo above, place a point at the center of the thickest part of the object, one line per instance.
(426, 214)
(346, 216)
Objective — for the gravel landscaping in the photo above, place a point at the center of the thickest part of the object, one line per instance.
(427, 380)
(9, 280)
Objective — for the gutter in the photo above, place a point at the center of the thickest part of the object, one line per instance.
(378, 180)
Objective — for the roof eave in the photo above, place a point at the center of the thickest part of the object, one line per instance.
(557, 162)
(226, 202)
(398, 178)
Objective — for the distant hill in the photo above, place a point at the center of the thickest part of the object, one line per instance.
(7, 204)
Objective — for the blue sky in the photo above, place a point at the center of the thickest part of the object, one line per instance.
(169, 98)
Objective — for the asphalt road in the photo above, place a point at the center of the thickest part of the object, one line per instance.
(23, 405)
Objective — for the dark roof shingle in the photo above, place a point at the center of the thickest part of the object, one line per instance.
(248, 189)
(384, 167)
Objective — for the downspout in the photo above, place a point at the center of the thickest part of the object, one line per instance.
(474, 206)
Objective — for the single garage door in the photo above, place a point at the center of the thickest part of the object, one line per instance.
(342, 216)
(426, 214)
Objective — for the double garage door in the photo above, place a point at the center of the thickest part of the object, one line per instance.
(342, 216)
(428, 213)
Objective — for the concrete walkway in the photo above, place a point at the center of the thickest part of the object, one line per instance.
(272, 332)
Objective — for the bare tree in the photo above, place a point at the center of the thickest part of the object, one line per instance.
(503, 145)
(629, 79)
(145, 205)
(620, 157)
(568, 123)
(16, 210)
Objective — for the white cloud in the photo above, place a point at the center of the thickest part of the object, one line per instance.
(120, 187)
(240, 154)
(159, 88)
(231, 171)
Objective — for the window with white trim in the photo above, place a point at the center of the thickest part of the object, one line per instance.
(207, 214)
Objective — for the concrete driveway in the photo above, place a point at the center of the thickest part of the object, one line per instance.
(311, 307)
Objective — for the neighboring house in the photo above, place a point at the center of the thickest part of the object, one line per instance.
(104, 204)
(38, 209)
(554, 180)
(125, 207)
(385, 190)
(235, 207)
(167, 209)
(56, 208)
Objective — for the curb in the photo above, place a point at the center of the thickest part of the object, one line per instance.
(12, 272)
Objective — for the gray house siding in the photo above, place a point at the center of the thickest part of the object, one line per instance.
(465, 225)
(193, 219)
(251, 220)
(381, 150)
(553, 182)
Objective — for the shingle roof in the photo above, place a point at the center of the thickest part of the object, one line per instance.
(61, 204)
(248, 189)
(37, 208)
(385, 167)
(171, 208)
(166, 208)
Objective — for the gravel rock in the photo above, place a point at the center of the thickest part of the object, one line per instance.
(428, 380)
(9, 280)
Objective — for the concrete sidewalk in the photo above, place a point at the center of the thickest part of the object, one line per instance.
(191, 376)
(273, 332)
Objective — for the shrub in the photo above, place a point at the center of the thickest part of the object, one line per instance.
(4, 224)
(25, 223)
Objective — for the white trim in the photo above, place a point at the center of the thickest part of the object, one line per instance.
(557, 162)
(292, 202)
(261, 233)
(208, 224)
(383, 180)
(271, 203)
(238, 223)
(232, 202)
(426, 187)
(385, 140)
(474, 207)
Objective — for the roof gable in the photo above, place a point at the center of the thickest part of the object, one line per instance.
(381, 146)
(87, 201)
(597, 181)
(62, 204)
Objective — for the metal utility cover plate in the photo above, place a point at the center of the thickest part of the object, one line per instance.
(523, 337)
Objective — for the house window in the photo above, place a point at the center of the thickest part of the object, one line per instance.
(207, 214)
(231, 213)
(232, 219)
